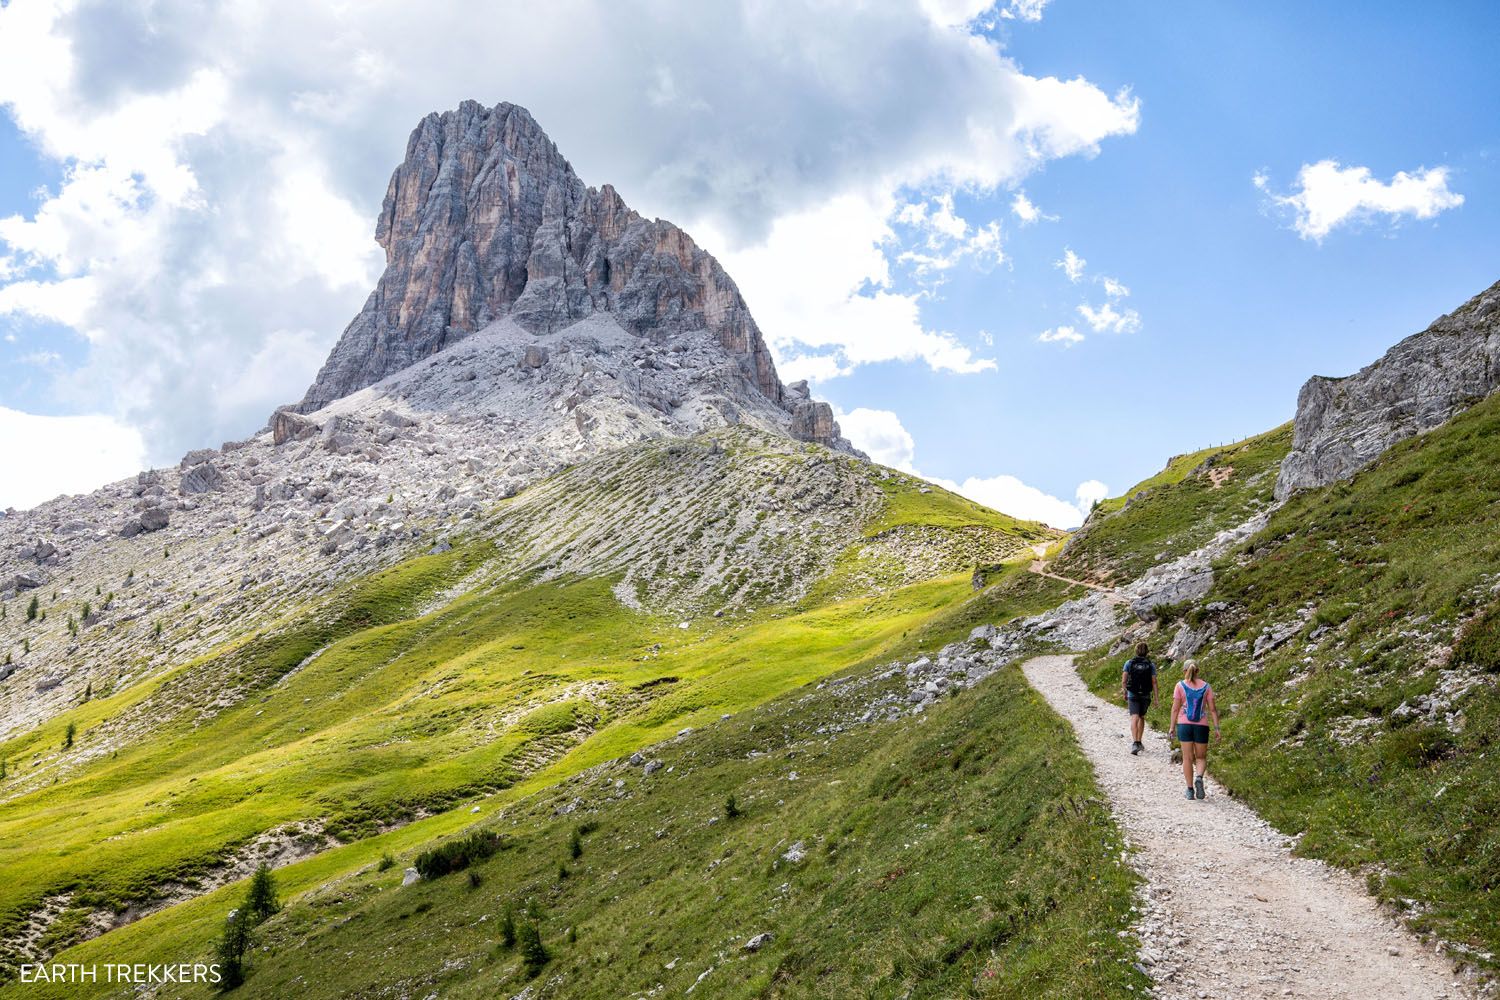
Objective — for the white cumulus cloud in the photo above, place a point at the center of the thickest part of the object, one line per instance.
(880, 434)
(222, 167)
(1328, 195)
(48, 456)
(1108, 319)
(1064, 335)
(1010, 495)
(1072, 265)
(1026, 210)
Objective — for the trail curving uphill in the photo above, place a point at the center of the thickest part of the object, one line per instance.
(1229, 912)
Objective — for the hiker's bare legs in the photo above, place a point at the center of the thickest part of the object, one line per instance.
(1200, 759)
(1187, 763)
(1137, 727)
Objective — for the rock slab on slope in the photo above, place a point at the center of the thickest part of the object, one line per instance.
(1343, 424)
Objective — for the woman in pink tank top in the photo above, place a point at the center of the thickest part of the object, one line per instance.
(1192, 706)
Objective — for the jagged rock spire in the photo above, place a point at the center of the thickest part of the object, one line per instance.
(485, 218)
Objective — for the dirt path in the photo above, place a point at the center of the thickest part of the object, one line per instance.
(1039, 567)
(1229, 912)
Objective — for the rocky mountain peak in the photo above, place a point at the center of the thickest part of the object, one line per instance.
(485, 220)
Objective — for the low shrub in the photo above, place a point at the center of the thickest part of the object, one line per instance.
(456, 855)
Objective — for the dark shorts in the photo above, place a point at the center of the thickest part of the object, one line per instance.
(1189, 733)
(1137, 703)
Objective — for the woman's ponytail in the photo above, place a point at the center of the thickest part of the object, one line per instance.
(1190, 671)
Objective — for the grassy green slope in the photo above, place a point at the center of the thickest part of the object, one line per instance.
(402, 714)
(1177, 510)
(915, 502)
(958, 854)
(1372, 582)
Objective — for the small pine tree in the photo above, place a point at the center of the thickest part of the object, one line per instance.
(88, 691)
(534, 956)
(72, 626)
(562, 872)
(166, 553)
(33, 608)
(731, 808)
(2, 768)
(88, 609)
(25, 646)
(98, 590)
(260, 901)
(156, 631)
(231, 951)
(575, 846)
(508, 927)
(69, 735)
(386, 862)
(572, 935)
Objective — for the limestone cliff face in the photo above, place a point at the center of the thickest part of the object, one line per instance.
(485, 219)
(1344, 424)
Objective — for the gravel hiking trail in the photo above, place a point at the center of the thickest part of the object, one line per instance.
(1228, 912)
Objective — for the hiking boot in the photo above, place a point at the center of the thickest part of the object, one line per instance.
(1198, 787)
(1136, 747)
(1187, 793)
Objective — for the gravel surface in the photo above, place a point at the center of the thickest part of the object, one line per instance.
(1228, 911)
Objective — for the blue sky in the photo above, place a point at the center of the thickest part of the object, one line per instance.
(210, 189)
(1237, 310)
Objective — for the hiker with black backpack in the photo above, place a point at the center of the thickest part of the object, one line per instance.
(1192, 702)
(1139, 681)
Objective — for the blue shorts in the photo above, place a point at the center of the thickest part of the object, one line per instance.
(1189, 733)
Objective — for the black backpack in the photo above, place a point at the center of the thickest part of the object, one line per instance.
(1139, 671)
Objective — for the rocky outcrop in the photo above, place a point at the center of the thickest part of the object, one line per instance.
(202, 478)
(485, 219)
(1344, 424)
(813, 421)
(289, 426)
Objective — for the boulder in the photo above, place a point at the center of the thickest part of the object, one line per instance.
(1187, 642)
(197, 457)
(204, 478)
(148, 520)
(288, 425)
(394, 419)
(338, 437)
(26, 581)
(759, 941)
